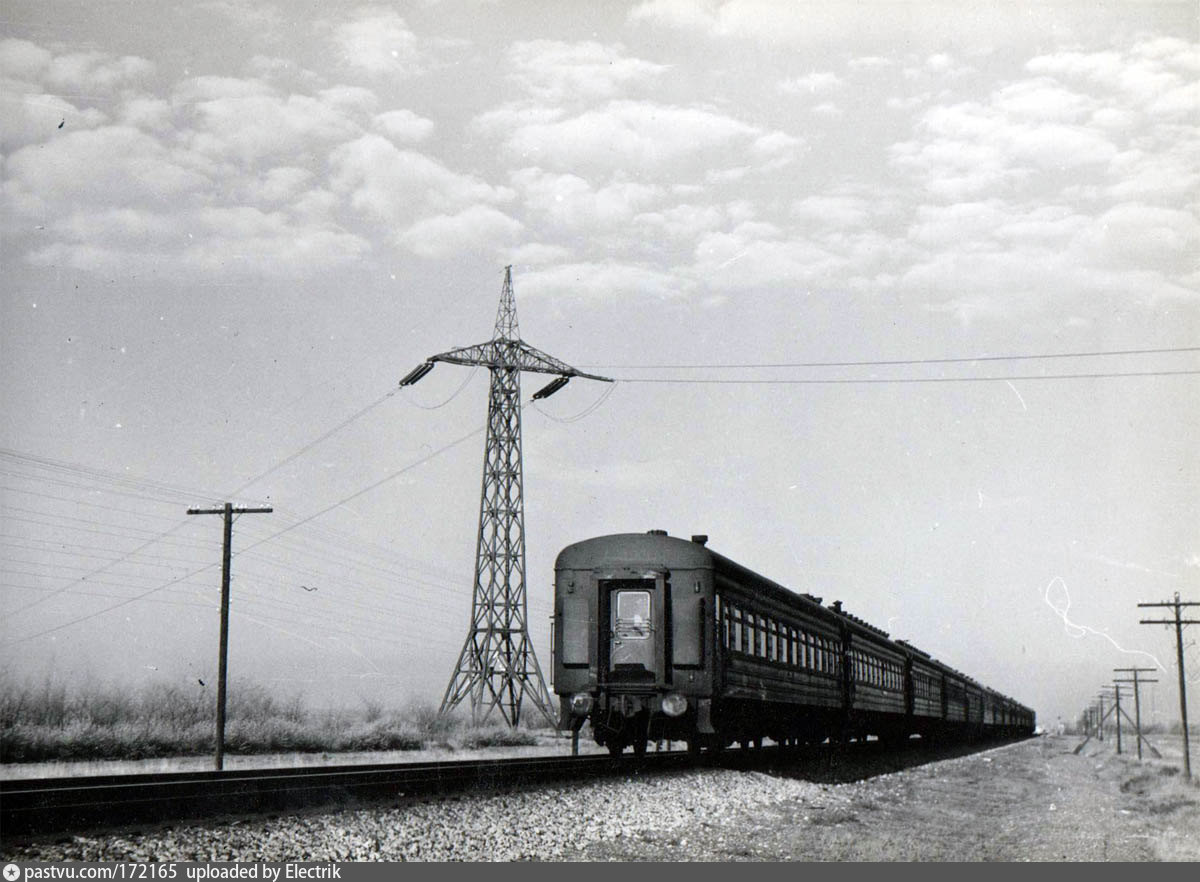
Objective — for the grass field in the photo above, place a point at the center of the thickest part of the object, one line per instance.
(50, 721)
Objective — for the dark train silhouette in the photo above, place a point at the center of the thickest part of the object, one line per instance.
(661, 638)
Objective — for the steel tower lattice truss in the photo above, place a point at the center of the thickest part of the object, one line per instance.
(498, 667)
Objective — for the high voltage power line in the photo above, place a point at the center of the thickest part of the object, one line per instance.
(906, 361)
(853, 381)
(133, 487)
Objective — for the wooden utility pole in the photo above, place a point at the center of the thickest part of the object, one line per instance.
(1117, 697)
(1178, 622)
(226, 557)
(1137, 701)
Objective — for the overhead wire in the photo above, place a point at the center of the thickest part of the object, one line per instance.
(854, 381)
(902, 361)
(392, 476)
(85, 470)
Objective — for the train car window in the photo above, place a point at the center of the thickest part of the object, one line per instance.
(747, 630)
(735, 614)
(760, 636)
(772, 637)
(633, 615)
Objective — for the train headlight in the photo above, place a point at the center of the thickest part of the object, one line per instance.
(581, 704)
(674, 705)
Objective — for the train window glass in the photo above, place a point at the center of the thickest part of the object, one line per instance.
(772, 635)
(735, 615)
(747, 631)
(796, 660)
(633, 615)
(760, 637)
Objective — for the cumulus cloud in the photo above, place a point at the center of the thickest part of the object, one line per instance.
(474, 229)
(639, 136)
(404, 126)
(378, 41)
(248, 122)
(603, 279)
(554, 71)
(37, 83)
(391, 183)
(221, 175)
(566, 200)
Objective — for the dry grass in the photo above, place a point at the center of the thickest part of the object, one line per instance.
(50, 721)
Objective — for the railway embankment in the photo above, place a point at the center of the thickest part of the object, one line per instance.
(1029, 800)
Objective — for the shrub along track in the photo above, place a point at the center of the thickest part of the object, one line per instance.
(33, 809)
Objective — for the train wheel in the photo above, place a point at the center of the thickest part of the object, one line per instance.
(615, 748)
(693, 747)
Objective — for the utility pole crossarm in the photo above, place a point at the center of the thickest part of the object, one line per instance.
(207, 511)
(1169, 622)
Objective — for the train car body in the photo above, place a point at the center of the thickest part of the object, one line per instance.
(661, 638)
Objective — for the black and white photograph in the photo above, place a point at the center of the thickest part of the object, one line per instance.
(638, 430)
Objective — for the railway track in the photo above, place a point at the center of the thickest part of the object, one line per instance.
(43, 807)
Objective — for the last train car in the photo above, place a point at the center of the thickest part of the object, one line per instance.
(660, 638)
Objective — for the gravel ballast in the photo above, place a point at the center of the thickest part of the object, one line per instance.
(548, 823)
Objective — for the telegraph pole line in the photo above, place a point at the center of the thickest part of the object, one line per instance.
(226, 557)
(1099, 718)
(1137, 701)
(1179, 621)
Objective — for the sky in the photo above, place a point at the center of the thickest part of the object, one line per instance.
(901, 298)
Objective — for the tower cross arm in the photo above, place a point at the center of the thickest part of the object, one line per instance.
(515, 355)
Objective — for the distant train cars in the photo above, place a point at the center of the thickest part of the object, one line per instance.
(661, 638)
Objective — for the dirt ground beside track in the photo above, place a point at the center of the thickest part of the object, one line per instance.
(1035, 800)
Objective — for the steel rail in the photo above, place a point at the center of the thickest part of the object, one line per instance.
(39, 806)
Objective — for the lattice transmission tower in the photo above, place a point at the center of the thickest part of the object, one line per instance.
(497, 667)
